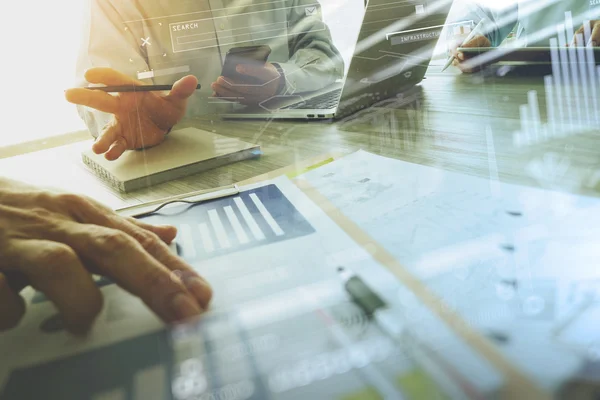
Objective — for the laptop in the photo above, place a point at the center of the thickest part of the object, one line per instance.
(392, 52)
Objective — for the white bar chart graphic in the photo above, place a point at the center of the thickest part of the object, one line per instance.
(237, 227)
(571, 91)
(217, 226)
(250, 219)
(206, 239)
(266, 214)
(256, 232)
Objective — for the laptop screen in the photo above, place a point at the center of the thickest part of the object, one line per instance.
(393, 50)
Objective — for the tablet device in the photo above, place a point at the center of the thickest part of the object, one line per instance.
(528, 55)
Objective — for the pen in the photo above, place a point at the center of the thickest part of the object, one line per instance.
(375, 308)
(133, 88)
(471, 35)
(369, 371)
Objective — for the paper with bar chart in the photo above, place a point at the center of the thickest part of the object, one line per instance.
(271, 256)
(253, 218)
(571, 91)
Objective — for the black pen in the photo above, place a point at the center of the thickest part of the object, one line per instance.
(133, 88)
(373, 306)
(389, 322)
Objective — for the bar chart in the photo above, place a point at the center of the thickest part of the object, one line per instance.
(253, 218)
(571, 91)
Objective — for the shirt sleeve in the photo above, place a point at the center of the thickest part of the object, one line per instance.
(500, 19)
(314, 60)
(107, 43)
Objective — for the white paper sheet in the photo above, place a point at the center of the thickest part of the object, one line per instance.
(499, 254)
(288, 270)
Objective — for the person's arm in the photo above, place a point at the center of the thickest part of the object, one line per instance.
(107, 44)
(501, 19)
(314, 60)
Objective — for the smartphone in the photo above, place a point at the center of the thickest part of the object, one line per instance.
(244, 55)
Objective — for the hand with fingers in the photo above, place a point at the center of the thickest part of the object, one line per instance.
(140, 119)
(460, 57)
(257, 83)
(594, 32)
(54, 242)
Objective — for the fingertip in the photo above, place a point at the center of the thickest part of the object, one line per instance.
(68, 95)
(94, 74)
(190, 79)
(98, 148)
(185, 87)
(113, 155)
(460, 55)
(89, 73)
(183, 307)
(75, 95)
(81, 325)
(200, 289)
(166, 232)
(12, 306)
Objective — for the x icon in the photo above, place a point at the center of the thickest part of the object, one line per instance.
(146, 41)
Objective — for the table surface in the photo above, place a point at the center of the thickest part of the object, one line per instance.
(460, 123)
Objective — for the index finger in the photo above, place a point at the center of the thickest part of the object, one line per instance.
(95, 99)
(120, 257)
(151, 238)
(151, 242)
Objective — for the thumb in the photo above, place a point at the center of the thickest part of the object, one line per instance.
(183, 88)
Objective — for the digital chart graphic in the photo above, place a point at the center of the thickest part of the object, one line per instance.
(253, 218)
(571, 91)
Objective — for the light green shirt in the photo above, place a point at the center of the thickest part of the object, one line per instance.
(156, 37)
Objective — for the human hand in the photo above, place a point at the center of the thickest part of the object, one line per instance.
(460, 57)
(594, 40)
(55, 242)
(140, 119)
(261, 83)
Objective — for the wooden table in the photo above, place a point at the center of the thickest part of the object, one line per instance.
(461, 123)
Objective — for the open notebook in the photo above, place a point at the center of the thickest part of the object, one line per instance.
(184, 152)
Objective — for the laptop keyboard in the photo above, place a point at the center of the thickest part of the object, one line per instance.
(324, 101)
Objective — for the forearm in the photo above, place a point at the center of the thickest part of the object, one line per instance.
(314, 60)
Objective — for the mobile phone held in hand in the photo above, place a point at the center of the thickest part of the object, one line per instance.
(244, 55)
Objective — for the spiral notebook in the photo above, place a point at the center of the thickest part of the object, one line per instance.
(184, 152)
